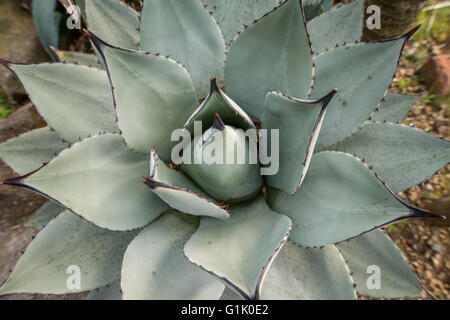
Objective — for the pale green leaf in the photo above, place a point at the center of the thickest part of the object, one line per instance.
(271, 54)
(108, 292)
(65, 244)
(338, 26)
(299, 123)
(402, 156)
(308, 274)
(339, 199)
(100, 180)
(155, 268)
(240, 249)
(186, 32)
(395, 107)
(179, 192)
(74, 100)
(31, 150)
(376, 249)
(84, 59)
(153, 96)
(42, 216)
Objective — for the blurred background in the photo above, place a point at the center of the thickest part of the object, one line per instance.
(424, 70)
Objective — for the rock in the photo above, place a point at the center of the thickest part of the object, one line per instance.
(436, 74)
(18, 43)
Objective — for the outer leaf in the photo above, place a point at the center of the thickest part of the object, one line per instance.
(362, 73)
(403, 156)
(47, 21)
(232, 15)
(154, 266)
(217, 102)
(185, 31)
(273, 53)
(240, 250)
(31, 150)
(308, 274)
(342, 24)
(68, 241)
(98, 179)
(179, 192)
(376, 249)
(44, 215)
(299, 123)
(313, 8)
(74, 100)
(109, 292)
(149, 106)
(114, 22)
(84, 59)
(395, 107)
(230, 294)
(340, 199)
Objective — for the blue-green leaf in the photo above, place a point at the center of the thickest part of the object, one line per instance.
(42, 216)
(47, 21)
(394, 107)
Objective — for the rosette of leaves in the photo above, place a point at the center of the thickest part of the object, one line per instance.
(310, 231)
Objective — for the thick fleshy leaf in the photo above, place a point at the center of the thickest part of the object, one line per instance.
(74, 100)
(179, 192)
(233, 15)
(402, 156)
(42, 216)
(314, 8)
(69, 245)
(240, 250)
(342, 24)
(308, 274)
(47, 21)
(185, 31)
(108, 292)
(98, 179)
(376, 249)
(339, 199)
(362, 73)
(155, 268)
(31, 150)
(114, 22)
(217, 102)
(149, 106)
(395, 107)
(230, 294)
(84, 59)
(271, 54)
(299, 123)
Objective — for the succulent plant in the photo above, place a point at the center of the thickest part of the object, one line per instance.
(139, 226)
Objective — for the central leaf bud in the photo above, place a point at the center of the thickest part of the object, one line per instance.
(225, 162)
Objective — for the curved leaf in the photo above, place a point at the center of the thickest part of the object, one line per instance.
(149, 106)
(362, 73)
(233, 15)
(299, 123)
(98, 179)
(308, 274)
(63, 245)
(154, 266)
(395, 107)
(47, 21)
(402, 156)
(339, 199)
(109, 292)
(376, 249)
(185, 31)
(342, 24)
(179, 192)
(240, 250)
(74, 100)
(42, 216)
(31, 150)
(114, 22)
(84, 59)
(272, 54)
(217, 102)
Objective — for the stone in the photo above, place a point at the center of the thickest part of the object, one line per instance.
(436, 74)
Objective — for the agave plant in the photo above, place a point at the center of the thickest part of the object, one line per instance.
(210, 231)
